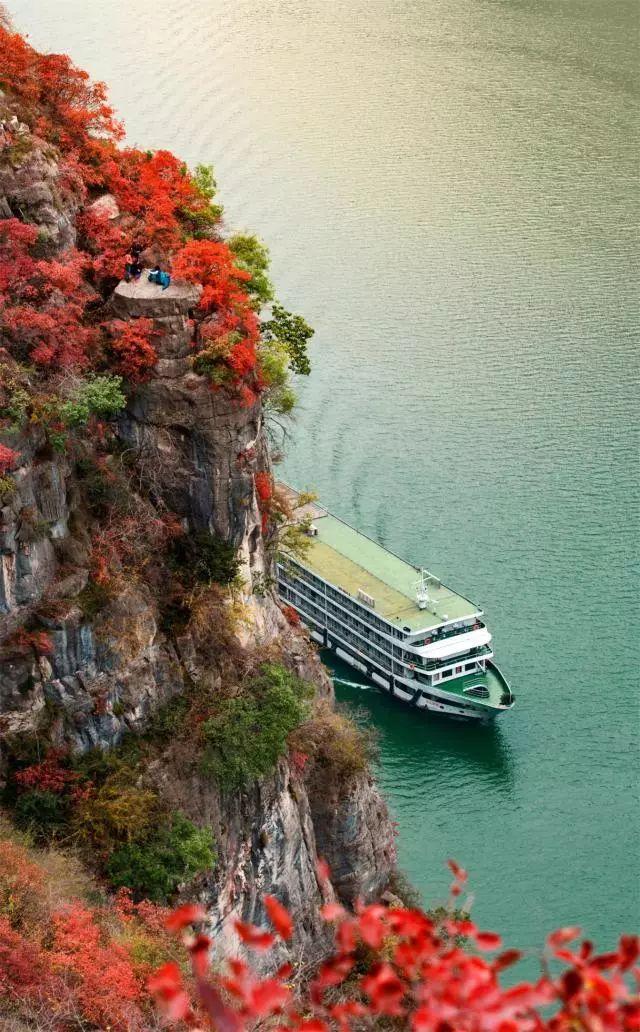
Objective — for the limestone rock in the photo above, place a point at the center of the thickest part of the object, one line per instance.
(105, 207)
(33, 188)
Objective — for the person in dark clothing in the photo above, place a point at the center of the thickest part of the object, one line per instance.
(132, 263)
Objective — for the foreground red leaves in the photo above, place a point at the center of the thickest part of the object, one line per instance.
(392, 963)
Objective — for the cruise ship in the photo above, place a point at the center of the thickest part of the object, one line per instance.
(396, 623)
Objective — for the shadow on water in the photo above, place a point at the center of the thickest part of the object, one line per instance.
(419, 745)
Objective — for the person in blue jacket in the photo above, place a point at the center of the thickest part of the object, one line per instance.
(159, 276)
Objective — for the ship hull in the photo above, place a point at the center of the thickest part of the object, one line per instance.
(441, 704)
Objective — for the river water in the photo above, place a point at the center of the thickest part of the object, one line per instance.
(448, 191)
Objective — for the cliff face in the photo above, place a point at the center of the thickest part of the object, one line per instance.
(193, 452)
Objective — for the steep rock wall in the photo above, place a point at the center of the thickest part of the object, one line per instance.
(196, 453)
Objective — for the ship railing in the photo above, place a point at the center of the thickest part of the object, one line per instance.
(448, 632)
(437, 664)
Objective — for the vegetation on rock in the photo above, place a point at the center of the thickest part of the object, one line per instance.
(69, 957)
(104, 805)
(246, 735)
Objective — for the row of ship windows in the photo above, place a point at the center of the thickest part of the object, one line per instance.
(291, 594)
(369, 639)
(363, 646)
(361, 624)
(319, 617)
(344, 601)
(340, 632)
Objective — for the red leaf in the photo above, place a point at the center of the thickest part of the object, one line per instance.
(268, 997)
(562, 936)
(225, 1019)
(372, 925)
(506, 959)
(457, 871)
(183, 916)
(628, 950)
(385, 990)
(488, 941)
(332, 912)
(199, 950)
(279, 917)
(322, 870)
(253, 936)
(167, 979)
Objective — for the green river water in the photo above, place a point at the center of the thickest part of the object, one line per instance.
(448, 191)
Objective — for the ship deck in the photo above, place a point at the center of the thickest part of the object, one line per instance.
(491, 679)
(344, 557)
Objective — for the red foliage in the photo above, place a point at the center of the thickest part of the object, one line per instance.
(135, 355)
(264, 490)
(107, 243)
(264, 487)
(49, 775)
(61, 104)
(211, 264)
(292, 616)
(23, 643)
(8, 459)
(157, 189)
(414, 973)
(61, 962)
(230, 321)
(107, 987)
(42, 302)
(299, 760)
(24, 968)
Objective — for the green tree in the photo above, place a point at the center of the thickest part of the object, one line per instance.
(252, 256)
(99, 396)
(294, 333)
(207, 216)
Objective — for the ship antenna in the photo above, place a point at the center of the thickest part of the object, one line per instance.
(422, 592)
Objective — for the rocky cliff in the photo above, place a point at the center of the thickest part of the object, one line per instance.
(113, 663)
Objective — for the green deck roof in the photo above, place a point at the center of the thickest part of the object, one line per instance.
(353, 562)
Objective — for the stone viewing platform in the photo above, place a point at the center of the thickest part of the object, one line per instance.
(139, 298)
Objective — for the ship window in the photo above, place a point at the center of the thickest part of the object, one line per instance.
(458, 670)
(447, 673)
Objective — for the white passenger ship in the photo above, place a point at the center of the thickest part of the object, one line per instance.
(398, 624)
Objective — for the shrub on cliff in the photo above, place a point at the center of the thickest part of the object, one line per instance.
(293, 333)
(69, 958)
(252, 256)
(202, 557)
(247, 734)
(99, 396)
(102, 803)
(154, 867)
(336, 748)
